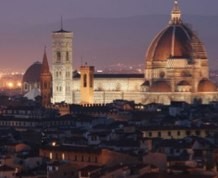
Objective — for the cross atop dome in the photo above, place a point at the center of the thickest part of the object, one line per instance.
(176, 14)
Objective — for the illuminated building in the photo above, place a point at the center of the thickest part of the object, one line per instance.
(176, 69)
(176, 65)
(62, 66)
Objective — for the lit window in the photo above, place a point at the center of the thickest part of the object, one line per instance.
(50, 155)
(63, 156)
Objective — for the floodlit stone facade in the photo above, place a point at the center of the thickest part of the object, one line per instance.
(62, 66)
(176, 69)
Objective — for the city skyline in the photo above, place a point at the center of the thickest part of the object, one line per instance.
(25, 31)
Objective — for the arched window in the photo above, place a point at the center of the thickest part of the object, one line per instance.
(58, 56)
(84, 80)
(26, 86)
(67, 56)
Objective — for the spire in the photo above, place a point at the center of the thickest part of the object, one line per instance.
(62, 23)
(62, 28)
(176, 14)
(45, 67)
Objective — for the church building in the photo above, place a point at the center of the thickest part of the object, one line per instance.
(176, 69)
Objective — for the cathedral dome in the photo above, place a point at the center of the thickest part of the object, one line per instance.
(160, 86)
(176, 41)
(32, 74)
(206, 85)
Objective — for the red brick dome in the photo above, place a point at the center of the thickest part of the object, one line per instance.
(205, 85)
(32, 74)
(177, 40)
(160, 86)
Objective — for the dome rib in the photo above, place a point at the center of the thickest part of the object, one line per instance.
(153, 44)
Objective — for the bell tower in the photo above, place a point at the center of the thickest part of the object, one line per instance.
(62, 66)
(45, 82)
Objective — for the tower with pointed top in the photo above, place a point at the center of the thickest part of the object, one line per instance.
(62, 66)
(45, 81)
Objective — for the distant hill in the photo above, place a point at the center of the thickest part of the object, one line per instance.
(104, 41)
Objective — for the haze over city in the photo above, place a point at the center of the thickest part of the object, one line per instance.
(98, 27)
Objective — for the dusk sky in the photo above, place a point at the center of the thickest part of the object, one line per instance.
(41, 11)
(23, 14)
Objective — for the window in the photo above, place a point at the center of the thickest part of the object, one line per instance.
(198, 132)
(50, 155)
(159, 134)
(188, 132)
(58, 56)
(67, 56)
(178, 133)
(63, 156)
(84, 80)
(67, 74)
(150, 134)
(169, 133)
(26, 86)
